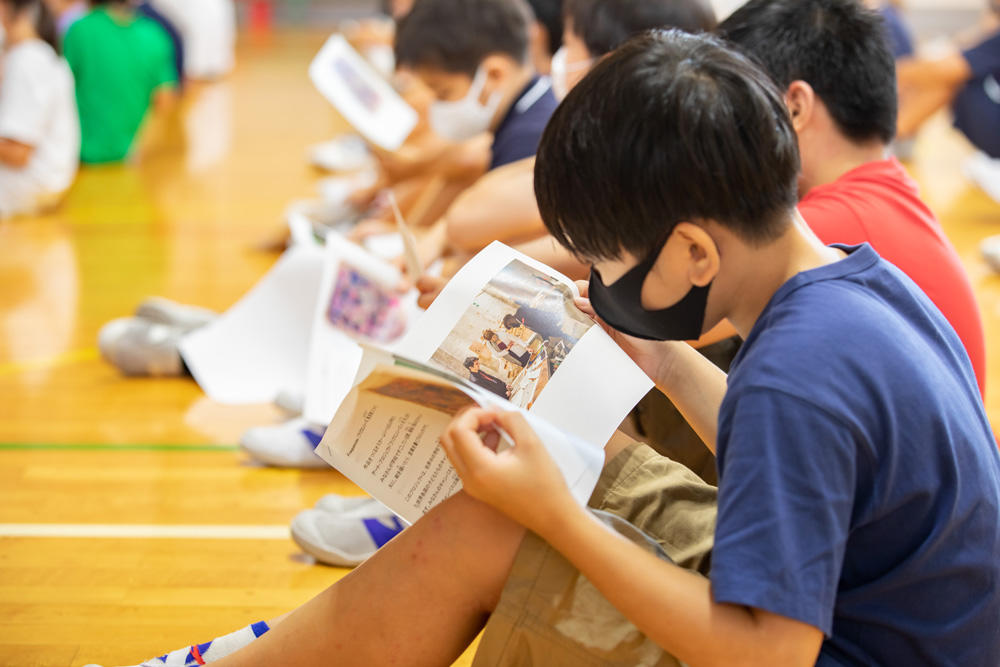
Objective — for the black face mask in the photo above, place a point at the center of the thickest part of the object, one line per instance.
(620, 305)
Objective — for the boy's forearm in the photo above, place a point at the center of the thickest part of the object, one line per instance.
(696, 387)
(674, 607)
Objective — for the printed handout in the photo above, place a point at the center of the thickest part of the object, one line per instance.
(508, 324)
(361, 95)
(504, 332)
(358, 301)
(257, 348)
(385, 436)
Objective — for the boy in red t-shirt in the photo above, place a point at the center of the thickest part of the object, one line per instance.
(838, 75)
(841, 91)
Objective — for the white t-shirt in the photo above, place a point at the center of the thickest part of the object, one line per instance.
(208, 28)
(38, 108)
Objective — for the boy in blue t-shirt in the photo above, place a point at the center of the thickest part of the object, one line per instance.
(859, 498)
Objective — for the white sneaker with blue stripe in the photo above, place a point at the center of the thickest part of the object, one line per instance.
(288, 445)
(344, 532)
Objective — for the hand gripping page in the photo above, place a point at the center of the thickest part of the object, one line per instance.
(386, 435)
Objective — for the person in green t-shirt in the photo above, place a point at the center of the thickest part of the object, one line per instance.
(123, 63)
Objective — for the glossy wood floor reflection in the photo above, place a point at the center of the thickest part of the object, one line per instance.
(84, 451)
(81, 447)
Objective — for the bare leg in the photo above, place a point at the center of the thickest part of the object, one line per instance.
(420, 600)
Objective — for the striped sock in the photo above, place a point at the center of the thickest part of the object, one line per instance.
(200, 654)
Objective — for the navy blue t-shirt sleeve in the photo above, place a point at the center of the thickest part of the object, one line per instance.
(984, 58)
(519, 134)
(784, 507)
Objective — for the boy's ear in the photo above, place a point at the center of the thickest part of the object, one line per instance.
(801, 101)
(496, 67)
(703, 259)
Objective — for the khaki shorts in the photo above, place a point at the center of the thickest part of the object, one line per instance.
(550, 615)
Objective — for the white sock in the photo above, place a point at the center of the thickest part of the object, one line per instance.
(200, 654)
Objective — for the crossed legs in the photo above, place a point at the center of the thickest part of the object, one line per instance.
(420, 600)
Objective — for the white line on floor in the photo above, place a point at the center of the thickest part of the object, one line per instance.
(143, 531)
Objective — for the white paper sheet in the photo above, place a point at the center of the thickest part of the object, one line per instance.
(594, 388)
(361, 96)
(334, 354)
(258, 347)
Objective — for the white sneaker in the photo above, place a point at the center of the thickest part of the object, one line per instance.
(288, 445)
(985, 172)
(343, 541)
(138, 347)
(351, 507)
(164, 311)
(990, 247)
(291, 402)
(348, 152)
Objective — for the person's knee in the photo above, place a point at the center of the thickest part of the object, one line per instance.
(477, 541)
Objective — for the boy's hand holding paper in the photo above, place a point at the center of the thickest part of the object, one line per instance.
(521, 481)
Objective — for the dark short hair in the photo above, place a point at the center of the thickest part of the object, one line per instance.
(604, 25)
(549, 13)
(839, 47)
(45, 24)
(671, 127)
(511, 322)
(470, 362)
(457, 35)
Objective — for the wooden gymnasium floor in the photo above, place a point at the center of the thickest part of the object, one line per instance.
(106, 484)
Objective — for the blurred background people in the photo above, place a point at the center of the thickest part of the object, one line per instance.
(39, 131)
(124, 65)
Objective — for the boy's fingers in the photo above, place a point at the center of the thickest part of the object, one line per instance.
(472, 419)
(585, 306)
(517, 427)
(583, 287)
(470, 449)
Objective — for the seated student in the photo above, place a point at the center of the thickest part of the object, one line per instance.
(485, 380)
(500, 206)
(852, 191)
(473, 55)
(123, 64)
(858, 518)
(845, 118)
(967, 80)
(39, 131)
(474, 58)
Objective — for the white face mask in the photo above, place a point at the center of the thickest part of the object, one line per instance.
(465, 118)
(560, 70)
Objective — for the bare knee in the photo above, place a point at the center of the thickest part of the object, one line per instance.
(473, 540)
